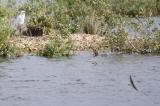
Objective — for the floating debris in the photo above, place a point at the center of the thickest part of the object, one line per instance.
(94, 62)
(132, 83)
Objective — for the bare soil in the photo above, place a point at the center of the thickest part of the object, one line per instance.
(81, 42)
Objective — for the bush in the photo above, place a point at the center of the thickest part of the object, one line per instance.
(134, 8)
(5, 48)
(44, 22)
(157, 43)
(92, 25)
(57, 47)
(118, 40)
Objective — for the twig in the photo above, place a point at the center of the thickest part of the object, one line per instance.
(134, 47)
(132, 83)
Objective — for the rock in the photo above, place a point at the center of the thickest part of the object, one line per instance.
(33, 31)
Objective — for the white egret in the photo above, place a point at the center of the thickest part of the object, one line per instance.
(18, 22)
(20, 19)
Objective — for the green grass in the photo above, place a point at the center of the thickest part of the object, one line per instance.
(85, 16)
(6, 49)
(57, 47)
(134, 8)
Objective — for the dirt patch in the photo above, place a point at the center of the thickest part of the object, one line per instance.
(81, 42)
(28, 43)
(87, 41)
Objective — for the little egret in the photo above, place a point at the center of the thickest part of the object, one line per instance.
(18, 22)
(20, 19)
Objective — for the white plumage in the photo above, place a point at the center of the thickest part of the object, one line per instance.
(20, 19)
(18, 23)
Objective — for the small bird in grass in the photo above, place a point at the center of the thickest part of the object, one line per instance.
(95, 52)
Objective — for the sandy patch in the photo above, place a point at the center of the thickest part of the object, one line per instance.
(81, 42)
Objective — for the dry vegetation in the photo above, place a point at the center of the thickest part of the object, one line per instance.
(71, 25)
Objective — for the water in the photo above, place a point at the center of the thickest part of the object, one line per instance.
(144, 24)
(146, 28)
(81, 80)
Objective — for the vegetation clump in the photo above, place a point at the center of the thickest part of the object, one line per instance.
(106, 18)
(6, 48)
(134, 8)
(57, 47)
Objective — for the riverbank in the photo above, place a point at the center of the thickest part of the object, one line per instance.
(81, 42)
(28, 44)
(109, 29)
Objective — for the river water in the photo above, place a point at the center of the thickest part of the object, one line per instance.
(80, 80)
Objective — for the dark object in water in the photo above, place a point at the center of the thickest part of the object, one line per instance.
(95, 52)
(132, 83)
(33, 31)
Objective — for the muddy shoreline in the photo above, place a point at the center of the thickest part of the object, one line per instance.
(81, 42)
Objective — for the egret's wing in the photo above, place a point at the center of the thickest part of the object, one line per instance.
(18, 19)
(13, 23)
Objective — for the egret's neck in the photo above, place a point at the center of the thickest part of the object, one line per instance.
(23, 15)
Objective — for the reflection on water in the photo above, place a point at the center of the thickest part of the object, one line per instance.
(81, 80)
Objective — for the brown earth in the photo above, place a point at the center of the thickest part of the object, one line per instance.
(81, 42)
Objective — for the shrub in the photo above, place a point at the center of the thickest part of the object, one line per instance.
(118, 40)
(135, 7)
(157, 43)
(92, 25)
(57, 47)
(44, 22)
(5, 48)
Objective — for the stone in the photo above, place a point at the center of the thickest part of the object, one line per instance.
(33, 31)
